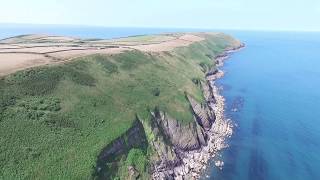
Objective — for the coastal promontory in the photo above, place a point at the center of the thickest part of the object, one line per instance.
(139, 107)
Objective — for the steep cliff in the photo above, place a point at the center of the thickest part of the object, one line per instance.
(173, 143)
(184, 138)
(145, 111)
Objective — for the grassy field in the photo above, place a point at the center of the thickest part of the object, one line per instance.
(55, 120)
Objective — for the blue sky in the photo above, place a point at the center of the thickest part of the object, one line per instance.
(218, 14)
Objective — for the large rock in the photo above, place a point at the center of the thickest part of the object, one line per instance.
(207, 92)
(203, 113)
(182, 136)
(166, 156)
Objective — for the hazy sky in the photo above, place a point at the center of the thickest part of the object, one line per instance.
(225, 14)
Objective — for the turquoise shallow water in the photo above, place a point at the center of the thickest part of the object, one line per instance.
(274, 83)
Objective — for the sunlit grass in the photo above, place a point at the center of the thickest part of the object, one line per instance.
(55, 120)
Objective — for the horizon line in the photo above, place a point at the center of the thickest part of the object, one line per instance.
(163, 27)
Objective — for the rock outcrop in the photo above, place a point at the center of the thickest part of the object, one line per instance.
(203, 113)
(181, 136)
(166, 158)
(207, 92)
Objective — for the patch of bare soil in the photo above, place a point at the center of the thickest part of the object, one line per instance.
(22, 52)
(11, 62)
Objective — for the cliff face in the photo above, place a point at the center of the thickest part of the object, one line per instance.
(202, 138)
(183, 138)
(135, 137)
(203, 113)
(178, 147)
(172, 139)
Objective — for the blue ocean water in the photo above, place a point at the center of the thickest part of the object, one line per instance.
(274, 86)
(10, 30)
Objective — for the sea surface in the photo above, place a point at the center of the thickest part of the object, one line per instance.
(87, 32)
(272, 91)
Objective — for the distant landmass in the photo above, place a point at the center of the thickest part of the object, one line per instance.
(82, 31)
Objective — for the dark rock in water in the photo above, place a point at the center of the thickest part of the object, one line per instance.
(237, 104)
(226, 87)
(258, 166)
(256, 126)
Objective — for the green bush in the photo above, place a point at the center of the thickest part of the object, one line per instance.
(132, 59)
(79, 77)
(38, 81)
(156, 91)
(59, 121)
(137, 159)
(107, 65)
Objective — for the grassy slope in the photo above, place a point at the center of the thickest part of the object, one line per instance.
(55, 120)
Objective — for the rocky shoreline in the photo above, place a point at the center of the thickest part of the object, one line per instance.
(193, 162)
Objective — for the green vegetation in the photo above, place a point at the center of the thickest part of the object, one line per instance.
(114, 160)
(137, 158)
(55, 120)
(145, 38)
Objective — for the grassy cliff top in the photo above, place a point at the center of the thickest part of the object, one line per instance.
(25, 51)
(54, 120)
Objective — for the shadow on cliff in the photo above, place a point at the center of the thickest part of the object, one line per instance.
(107, 164)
